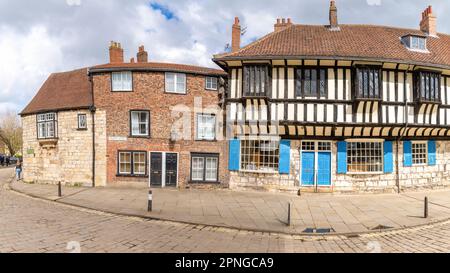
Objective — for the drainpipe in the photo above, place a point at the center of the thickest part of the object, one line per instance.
(405, 115)
(92, 109)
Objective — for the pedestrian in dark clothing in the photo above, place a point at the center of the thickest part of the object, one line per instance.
(7, 161)
(18, 169)
(2, 160)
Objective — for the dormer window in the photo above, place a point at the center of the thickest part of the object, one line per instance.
(413, 42)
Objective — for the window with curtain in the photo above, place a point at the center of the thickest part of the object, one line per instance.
(132, 163)
(46, 125)
(204, 167)
(122, 81)
(206, 127)
(140, 123)
(176, 83)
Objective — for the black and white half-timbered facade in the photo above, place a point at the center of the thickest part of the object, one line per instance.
(339, 107)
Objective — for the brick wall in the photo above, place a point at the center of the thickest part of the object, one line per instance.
(149, 94)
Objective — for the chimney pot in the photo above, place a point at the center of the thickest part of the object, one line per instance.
(142, 55)
(115, 53)
(236, 35)
(333, 15)
(428, 24)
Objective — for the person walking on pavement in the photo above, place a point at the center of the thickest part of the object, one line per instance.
(7, 161)
(18, 168)
(2, 160)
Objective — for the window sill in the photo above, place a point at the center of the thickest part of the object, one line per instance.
(146, 137)
(121, 91)
(131, 175)
(82, 129)
(206, 140)
(48, 142)
(261, 172)
(365, 173)
(204, 182)
(210, 89)
(175, 93)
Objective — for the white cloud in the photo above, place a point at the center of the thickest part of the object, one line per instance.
(27, 59)
(40, 37)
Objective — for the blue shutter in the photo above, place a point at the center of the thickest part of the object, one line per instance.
(432, 153)
(388, 158)
(407, 153)
(235, 154)
(342, 157)
(285, 157)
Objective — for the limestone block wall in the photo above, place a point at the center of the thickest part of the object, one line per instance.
(410, 178)
(68, 161)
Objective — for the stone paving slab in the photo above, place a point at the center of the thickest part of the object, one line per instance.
(258, 211)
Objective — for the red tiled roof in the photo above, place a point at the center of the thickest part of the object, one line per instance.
(62, 91)
(351, 42)
(153, 66)
(72, 90)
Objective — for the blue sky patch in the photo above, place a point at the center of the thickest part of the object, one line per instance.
(164, 10)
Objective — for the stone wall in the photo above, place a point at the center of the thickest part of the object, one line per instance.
(410, 178)
(68, 159)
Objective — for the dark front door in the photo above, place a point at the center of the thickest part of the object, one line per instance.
(171, 170)
(156, 169)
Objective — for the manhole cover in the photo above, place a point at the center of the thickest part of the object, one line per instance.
(319, 230)
(381, 227)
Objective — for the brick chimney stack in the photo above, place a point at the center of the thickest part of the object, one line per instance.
(282, 24)
(333, 15)
(428, 23)
(142, 55)
(236, 36)
(115, 53)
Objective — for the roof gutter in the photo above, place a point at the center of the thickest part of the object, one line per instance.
(140, 69)
(339, 58)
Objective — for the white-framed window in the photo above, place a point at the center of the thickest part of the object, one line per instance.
(140, 123)
(365, 157)
(211, 83)
(122, 81)
(82, 121)
(415, 43)
(46, 125)
(132, 163)
(125, 163)
(204, 167)
(139, 163)
(176, 83)
(260, 155)
(206, 127)
(419, 153)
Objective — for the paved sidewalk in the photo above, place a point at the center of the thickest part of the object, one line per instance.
(258, 211)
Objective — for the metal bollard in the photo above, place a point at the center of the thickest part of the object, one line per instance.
(59, 189)
(289, 214)
(150, 201)
(425, 215)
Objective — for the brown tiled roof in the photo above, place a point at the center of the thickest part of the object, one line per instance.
(362, 42)
(153, 66)
(62, 91)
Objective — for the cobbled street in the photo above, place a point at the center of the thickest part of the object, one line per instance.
(32, 225)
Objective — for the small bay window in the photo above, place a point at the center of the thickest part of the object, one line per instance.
(46, 125)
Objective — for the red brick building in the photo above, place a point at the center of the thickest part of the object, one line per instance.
(126, 123)
(163, 121)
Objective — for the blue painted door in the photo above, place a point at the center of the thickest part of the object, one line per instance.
(324, 169)
(308, 160)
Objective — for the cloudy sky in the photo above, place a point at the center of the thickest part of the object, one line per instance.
(45, 36)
